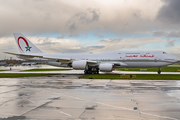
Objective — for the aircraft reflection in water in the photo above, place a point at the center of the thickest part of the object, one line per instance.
(92, 63)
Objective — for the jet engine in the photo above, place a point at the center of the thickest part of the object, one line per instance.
(79, 65)
(105, 67)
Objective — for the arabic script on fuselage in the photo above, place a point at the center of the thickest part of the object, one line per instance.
(150, 56)
(131, 55)
(146, 55)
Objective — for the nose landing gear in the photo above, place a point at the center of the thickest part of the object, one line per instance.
(159, 71)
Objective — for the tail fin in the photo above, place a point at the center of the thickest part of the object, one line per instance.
(24, 45)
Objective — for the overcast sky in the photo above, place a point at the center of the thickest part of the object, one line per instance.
(64, 26)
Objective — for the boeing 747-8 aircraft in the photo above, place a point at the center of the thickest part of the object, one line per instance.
(92, 63)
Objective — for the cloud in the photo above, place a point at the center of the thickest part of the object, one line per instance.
(169, 13)
(120, 44)
(99, 35)
(62, 36)
(44, 16)
(8, 44)
(81, 19)
(116, 40)
(160, 33)
(167, 34)
(174, 34)
(175, 52)
(170, 43)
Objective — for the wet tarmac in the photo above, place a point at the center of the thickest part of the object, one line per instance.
(70, 98)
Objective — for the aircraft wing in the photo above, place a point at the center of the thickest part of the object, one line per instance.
(93, 63)
(62, 60)
(117, 64)
(48, 57)
(65, 60)
(24, 55)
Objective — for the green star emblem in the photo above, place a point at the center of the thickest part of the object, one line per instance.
(28, 48)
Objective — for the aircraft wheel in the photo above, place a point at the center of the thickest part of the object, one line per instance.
(97, 71)
(93, 72)
(159, 71)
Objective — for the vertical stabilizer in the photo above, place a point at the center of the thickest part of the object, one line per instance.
(24, 45)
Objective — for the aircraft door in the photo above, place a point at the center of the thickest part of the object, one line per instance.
(122, 57)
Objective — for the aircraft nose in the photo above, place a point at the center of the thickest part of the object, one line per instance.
(172, 59)
(175, 60)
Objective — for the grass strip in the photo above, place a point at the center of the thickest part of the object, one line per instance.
(163, 69)
(13, 75)
(138, 76)
(33, 70)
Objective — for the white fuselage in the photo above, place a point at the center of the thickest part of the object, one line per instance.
(133, 59)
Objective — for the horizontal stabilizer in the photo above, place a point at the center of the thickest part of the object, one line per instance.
(40, 56)
(25, 55)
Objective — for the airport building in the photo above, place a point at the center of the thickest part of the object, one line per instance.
(2, 63)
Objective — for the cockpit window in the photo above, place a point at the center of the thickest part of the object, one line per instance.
(164, 53)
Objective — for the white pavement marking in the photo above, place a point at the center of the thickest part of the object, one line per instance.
(64, 113)
(113, 106)
(159, 116)
(137, 72)
(31, 101)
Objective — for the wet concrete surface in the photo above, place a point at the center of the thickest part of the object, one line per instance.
(70, 98)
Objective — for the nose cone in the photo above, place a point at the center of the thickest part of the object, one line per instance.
(174, 60)
(170, 59)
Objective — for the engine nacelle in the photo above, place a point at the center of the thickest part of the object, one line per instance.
(105, 67)
(79, 65)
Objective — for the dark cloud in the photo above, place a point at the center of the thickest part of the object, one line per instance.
(99, 35)
(82, 19)
(159, 33)
(170, 12)
(170, 43)
(172, 34)
(136, 13)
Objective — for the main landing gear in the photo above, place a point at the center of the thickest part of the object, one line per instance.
(159, 70)
(91, 71)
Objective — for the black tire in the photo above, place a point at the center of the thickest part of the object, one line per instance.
(85, 72)
(159, 72)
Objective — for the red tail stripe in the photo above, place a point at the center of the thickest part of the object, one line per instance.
(24, 41)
